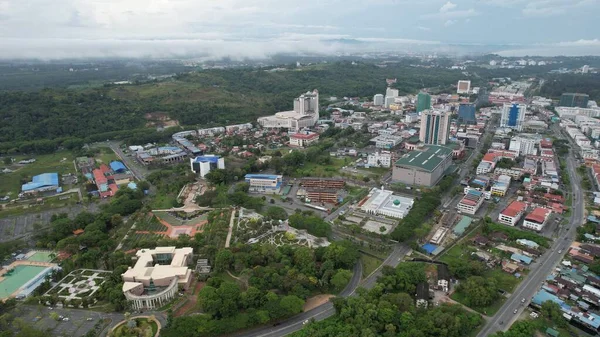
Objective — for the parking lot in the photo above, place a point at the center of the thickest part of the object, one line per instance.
(78, 324)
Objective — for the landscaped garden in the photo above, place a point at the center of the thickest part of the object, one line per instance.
(136, 327)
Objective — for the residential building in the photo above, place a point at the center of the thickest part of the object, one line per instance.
(435, 127)
(501, 185)
(303, 139)
(390, 92)
(324, 183)
(573, 100)
(537, 219)
(264, 183)
(463, 87)
(512, 213)
(389, 101)
(571, 112)
(525, 145)
(386, 203)
(380, 159)
(424, 167)
(443, 276)
(513, 116)
(305, 114)
(156, 277)
(378, 100)
(471, 202)
(203, 164)
(466, 113)
(423, 101)
(210, 131)
(386, 141)
(513, 173)
(323, 195)
(41, 183)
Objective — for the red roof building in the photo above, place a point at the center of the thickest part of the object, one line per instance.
(512, 213)
(537, 218)
(303, 139)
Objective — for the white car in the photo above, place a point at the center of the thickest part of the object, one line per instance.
(514, 312)
(305, 322)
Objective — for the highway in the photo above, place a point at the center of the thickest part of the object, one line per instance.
(544, 264)
(326, 310)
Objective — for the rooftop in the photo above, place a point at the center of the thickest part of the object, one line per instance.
(207, 158)
(538, 215)
(42, 180)
(262, 176)
(514, 208)
(428, 159)
(306, 136)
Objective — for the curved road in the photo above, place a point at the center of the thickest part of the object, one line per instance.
(326, 310)
(544, 264)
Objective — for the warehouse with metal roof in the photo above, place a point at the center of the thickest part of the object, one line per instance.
(423, 167)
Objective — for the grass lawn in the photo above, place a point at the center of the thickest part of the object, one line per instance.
(316, 170)
(163, 201)
(106, 155)
(49, 203)
(489, 310)
(377, 170)
(369, 264)
(48, 163)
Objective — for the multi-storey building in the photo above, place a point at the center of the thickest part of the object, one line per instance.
(471, 202)
(435, 127)
(380, 159)
(264, 183)
(305, 114)
(513, 116)
(512, 213)
(537, 219)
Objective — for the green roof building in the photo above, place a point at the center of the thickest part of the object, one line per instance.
(423, 167)
(423, 101)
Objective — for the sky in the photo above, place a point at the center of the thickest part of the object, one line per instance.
(55, 29)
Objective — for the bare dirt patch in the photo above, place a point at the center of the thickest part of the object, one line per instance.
(316, 301)
(159, 119)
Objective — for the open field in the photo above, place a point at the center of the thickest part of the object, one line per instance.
(60, 162)
(32, 206)
(369, 264)
(106, 155)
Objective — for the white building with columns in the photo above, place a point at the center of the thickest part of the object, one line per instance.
(157, 276)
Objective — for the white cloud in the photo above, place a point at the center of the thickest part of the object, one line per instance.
(448, 6)
(449, 23)
(580, 47)
(451, 14)
(423, 28)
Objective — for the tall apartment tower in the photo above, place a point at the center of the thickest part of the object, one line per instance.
(574, 100)
(378, 100)
(435, 127)
(423, 101)
(513, 116)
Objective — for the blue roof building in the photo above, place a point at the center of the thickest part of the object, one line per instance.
(40, 183)
(117, 166)
(521, 258)
(264, 183)
(204, 164)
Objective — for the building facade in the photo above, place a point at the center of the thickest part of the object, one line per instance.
(423, 101)
(305, 114)
(264, 183)
(573, 100)
(513, 116)
(157, 276)
(203, 164)
(435, 127)
(512, 213)
(380, 159)
(537, 219)
(466, 113)
(471, 202)
(378, 100)
(303, 139)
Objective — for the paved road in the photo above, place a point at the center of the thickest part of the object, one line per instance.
(543, 265)
(326, 310)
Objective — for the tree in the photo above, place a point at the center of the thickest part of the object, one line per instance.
(291, 305)
(7, 160)
(552, 311)
(340, 279)
(223, 260)
(276, 213)
(479, 292)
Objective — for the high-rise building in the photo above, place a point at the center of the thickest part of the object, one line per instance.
(483, 97)
(391, 92)
(574, 100)
(466, 113)
(423, 101)
(585, 69)
(463, 87)
(378, 100)
(513, 116)
(389, 100)
(305, 114)
(435, 127)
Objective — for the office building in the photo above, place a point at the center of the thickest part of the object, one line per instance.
(303, 139)
(466, 113)
(157, 276)
(386, 203)
(203, 164)
(386, 142)
(471, 202)
(501, 185)
(537, 219)
(423, 101)
(423, 167)
(574, 100)
(463, 87)
(483, 97)
(380, 159)
(513, 116)
(512, 213)
(378, 100)
(264, 183)
(435, 127)
(305, 114)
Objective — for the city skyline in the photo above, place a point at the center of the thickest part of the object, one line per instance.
(261, 28)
